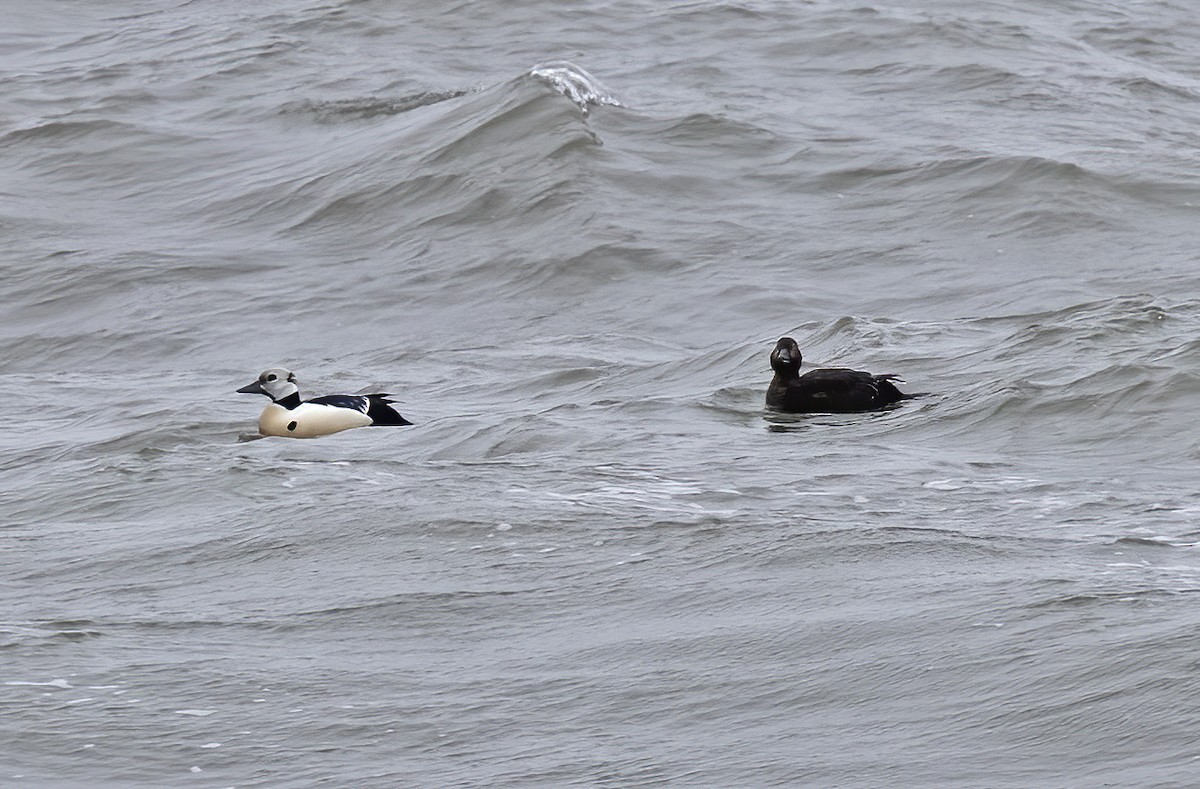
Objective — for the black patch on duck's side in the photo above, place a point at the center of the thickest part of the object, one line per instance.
(291, 426)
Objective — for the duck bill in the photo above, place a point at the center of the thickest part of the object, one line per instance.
(253, 388)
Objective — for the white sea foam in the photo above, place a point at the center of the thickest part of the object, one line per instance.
(576, 84)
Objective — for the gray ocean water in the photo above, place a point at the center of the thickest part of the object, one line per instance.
(566, 236)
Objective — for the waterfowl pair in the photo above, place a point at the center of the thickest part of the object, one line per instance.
(836, 389)
(289, 416)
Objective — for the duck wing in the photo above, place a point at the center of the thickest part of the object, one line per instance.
(353, 402)
(836, 389)
(377, 406)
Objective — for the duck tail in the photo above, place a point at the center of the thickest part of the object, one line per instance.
(888, 391)
(380, 410)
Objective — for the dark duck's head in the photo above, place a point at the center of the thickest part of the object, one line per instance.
(785, 359)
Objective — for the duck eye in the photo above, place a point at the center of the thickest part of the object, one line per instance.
(270, 378)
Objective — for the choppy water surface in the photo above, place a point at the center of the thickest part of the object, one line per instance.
(566, 236)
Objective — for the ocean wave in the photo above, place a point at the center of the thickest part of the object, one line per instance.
(346, 110)
(448, 157)
(576, 84)
(63, 131)
(967, 177)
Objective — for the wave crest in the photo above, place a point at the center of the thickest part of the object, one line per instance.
(575, 83)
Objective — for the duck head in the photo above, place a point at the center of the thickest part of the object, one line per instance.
(785, 359)
(276, 383)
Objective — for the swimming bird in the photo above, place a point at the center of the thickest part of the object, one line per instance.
(288, 416)
(821, 391)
